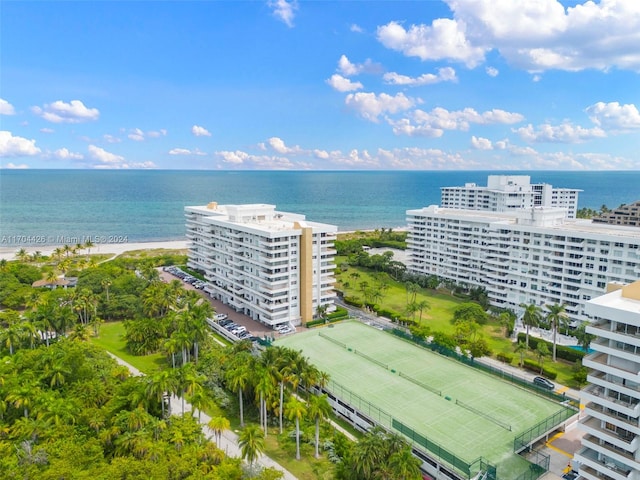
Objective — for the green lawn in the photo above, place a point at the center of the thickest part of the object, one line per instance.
(110, 339)
(438, 316)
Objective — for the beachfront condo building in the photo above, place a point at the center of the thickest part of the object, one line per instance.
(611, 441)
(273, 266)
(525, 256)
(623, 215)
(509, 192)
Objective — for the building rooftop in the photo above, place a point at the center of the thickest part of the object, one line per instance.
(547, 218)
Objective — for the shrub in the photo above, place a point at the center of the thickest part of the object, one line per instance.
(566, 353)
(535, 367)
(353, 302)
(505, 357)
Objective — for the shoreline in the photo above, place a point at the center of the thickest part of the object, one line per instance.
(9, 253)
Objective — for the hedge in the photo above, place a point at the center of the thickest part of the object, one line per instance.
(505, 357)
(566, 353)
(535, 367)
(353, 301)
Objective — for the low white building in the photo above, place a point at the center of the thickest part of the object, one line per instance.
(611, 444)
(525, 256)
(509, 192)
(273, 266)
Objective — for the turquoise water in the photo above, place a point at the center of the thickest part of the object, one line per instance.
(578, 347)
(144, 205)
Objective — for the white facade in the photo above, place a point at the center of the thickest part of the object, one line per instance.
(509, 192)
(272, 266)
(611, 444)
(526, 256)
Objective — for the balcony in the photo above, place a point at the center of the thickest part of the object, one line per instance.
(626, 441)
(594, 469)
(616, 460)
(597, 395)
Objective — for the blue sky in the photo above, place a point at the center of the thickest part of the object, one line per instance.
(418, 85)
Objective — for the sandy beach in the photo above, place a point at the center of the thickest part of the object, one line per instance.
(9, 253)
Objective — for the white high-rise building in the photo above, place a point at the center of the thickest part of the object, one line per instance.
(611, 444)
(524, 256)
(509, 192)
(275, 267)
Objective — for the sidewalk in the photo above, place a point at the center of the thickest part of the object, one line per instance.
(228, 441)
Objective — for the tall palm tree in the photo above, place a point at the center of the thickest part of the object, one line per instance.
(238, 377)
(531, 318)
(264, 386)
(218, 425)
(158, 385)
(557, 316)
(295, 411)
(318, 409)
(251, 443)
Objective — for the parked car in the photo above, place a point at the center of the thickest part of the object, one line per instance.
(544, 383)
(220, 316)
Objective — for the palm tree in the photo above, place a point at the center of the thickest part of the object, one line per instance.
(403, 465)
(199, 400)
(542, 351)
(318, 409)
(11, 337)
(263, 385)
(238, 377)
(412, 291)
(218, 425)
(557, 316)
(296, 410)
(422, 305)
(22, 255)
(520, 348)
(531, 318)
(251, 443)
(158, 385)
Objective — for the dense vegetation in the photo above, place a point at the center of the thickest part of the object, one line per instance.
(68, 411)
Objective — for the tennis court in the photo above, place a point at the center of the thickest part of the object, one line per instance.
(469, 413)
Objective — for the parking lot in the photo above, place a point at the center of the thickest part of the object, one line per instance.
(254, 328)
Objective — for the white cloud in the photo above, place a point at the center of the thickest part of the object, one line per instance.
(11, 146)
(492, 71)
(65, 154)
(444, 39)
(370, 106)
(349, 69)
(532, 35)
(481, 143)
(432, 124)
(284, 10)
(159, 133)
(614, 116)
(278, 145)
(356, 28)
(199, 131)
(144, 165)
(103, 156)
(136, 135)
(342, 84)
(6, 108)
(272, 162)
(186, 151)
(47, 130)
(111, 139)
(13, 166)
(563, 133)
(446, 74)
(61, 112)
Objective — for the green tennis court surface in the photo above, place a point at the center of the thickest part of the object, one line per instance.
(467, 412)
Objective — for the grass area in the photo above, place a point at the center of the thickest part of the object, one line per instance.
(110, 339)
(282, 449)
(438, 316)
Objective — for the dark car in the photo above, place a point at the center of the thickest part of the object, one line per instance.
(544, 383)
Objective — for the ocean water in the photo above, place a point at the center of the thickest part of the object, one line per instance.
(48, 207)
